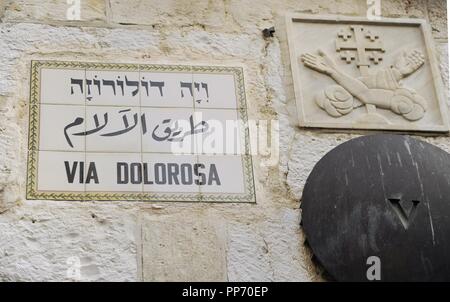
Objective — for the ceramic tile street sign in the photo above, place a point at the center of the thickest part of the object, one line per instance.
(138, 132)
(358, 74)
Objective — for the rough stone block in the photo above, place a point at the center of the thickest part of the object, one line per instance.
(437, 13)
(442, 50)
(404, 8)
(41, 241)
(183, 247)
(169, 13)
(268, 251)
(48, 11)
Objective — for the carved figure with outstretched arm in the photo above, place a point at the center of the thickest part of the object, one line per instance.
(381, 89)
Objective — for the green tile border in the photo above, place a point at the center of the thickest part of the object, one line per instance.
(33, 137)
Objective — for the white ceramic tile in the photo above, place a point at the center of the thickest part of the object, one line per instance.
(214, 91)
(170, 173)
(62, 86)
(62, 127)
(60, 171)
(166, 89)
(223, 174)
(116, 172)
(223, 132)
(168, 130)
(118, 129)
(115, 88)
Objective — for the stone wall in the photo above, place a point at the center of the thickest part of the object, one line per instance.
(132, 241)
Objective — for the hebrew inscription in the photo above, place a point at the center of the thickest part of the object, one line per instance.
(366, 74)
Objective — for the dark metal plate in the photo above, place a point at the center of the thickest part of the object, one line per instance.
(386, 196)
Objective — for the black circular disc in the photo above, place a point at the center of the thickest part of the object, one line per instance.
(386, 196)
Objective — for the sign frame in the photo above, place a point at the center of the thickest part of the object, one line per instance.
(32, 192)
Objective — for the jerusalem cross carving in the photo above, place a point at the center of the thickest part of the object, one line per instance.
(361, 74)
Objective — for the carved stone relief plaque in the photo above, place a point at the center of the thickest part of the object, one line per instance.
(359, 74)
